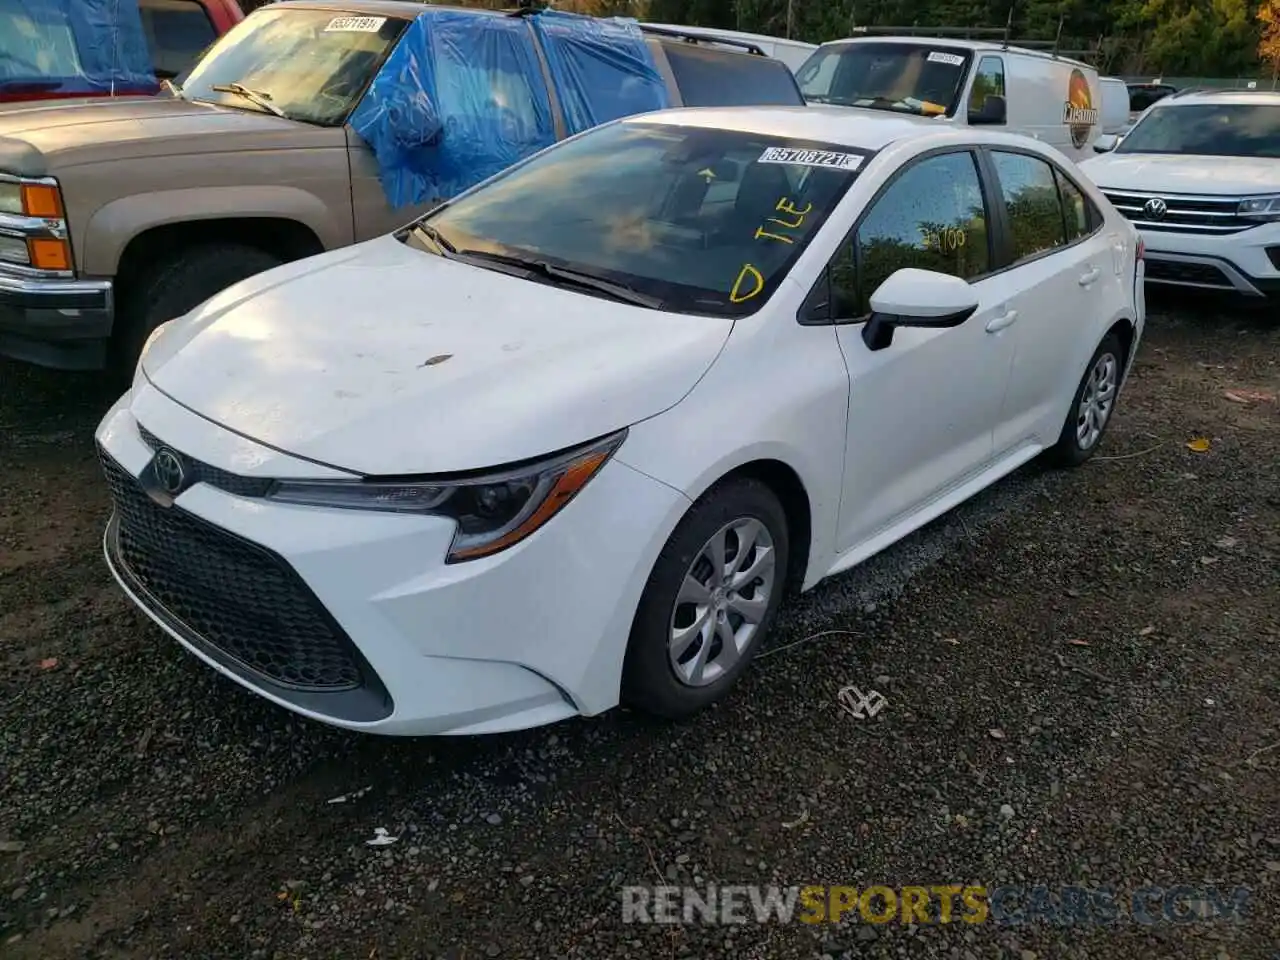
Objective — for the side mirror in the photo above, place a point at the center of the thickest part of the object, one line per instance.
(917, 298)
(1105, 143)
(994, 111)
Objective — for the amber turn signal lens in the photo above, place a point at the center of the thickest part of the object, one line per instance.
(50, 254)
(41, 200)
(566, 488)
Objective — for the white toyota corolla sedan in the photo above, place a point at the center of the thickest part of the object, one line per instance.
(570, 439)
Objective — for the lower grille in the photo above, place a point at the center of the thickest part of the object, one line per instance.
(1173, 271)
(1273, 254)
(232, 595)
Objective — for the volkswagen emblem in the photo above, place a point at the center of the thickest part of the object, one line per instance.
(169, 472)
(1156, 208)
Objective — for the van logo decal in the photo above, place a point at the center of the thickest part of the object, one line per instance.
(1079, 113)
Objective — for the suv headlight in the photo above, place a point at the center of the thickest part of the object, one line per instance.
(493, 511)
(1260, 208)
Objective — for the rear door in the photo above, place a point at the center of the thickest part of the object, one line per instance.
(1062, 266)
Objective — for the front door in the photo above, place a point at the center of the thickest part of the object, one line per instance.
(921, 411)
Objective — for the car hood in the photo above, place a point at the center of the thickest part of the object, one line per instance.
(384, 360)
(1162, 173)
(38, 137)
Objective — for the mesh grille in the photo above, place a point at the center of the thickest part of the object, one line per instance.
(233, 595)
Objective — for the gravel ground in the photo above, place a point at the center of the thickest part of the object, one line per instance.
(1083, 683)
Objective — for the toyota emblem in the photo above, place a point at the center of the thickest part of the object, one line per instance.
(169, 472)
(1156, 208)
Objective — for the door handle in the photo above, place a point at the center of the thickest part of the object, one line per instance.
(1000, 322)
(1090, 278)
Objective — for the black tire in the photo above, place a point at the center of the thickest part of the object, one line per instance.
(649, 680)
(1069, 451)
(176, 285)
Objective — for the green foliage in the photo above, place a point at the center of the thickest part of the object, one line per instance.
(1204, 38)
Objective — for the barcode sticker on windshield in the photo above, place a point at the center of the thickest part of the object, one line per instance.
(355, 24)
(951, 59)
(811, 158)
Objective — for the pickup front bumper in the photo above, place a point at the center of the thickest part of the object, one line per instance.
(63, 323)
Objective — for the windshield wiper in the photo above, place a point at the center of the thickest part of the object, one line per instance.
(257, 97)
(568, 277)
(436, 238)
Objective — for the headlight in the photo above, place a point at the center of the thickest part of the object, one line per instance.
(10, 197)
(492, 511)
(31, 198)
(1260, 208)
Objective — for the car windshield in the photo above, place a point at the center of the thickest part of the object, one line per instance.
(907, 77)
(1208, 130)
(691, 219)
(310, 65)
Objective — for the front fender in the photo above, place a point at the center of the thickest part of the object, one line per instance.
(114, 225)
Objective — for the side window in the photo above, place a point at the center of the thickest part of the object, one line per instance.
(932, 217)
(709, 77)
(1031, 198)
(1076, 208)
(177, 32)
(988, 81)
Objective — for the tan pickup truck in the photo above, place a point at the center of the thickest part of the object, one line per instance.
(117, 215)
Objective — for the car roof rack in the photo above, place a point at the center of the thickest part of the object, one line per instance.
(688, 37)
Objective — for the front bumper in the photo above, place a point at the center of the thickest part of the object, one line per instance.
(63, 323)
(1246, 263)
(529, 636)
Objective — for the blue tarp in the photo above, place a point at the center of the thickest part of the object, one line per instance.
(74, 46)
(463, 95)
(460, 98)
(601, 68)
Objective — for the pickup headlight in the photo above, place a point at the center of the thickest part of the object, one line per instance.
(44, 231)
(10, 197)
(493, 511)
(1260, 208)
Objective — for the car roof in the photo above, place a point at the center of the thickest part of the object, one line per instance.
(822, 123)
(401, 9)
(977, 46)
(1222, 97)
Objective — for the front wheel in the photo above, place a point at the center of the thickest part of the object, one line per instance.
(1092, 406)
(709, 602)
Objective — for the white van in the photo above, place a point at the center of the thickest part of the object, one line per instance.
(1034, 93)
(1115, 106)
(791, 52)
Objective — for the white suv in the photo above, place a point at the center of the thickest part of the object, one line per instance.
(1199, 175)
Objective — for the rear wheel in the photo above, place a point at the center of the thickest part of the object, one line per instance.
(177, 285)
(1092, 406)
(710, 601)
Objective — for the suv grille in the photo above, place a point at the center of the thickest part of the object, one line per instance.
(227, 593)
(1182, 214)
(1197, 274)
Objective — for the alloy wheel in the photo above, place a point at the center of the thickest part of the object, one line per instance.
(1096, 401)
(722, 600)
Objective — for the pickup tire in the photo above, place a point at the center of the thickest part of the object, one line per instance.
(175, 285)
